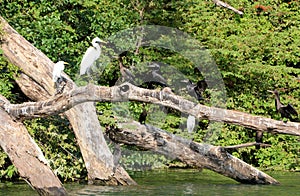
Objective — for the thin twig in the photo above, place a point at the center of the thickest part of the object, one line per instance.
(247, 145)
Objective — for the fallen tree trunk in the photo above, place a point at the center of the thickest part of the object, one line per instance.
(194, 154)
(129, 92)
(38, 86)
(207, 156)
(211, 157)
(27, 157)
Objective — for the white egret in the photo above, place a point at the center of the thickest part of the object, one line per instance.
(190, 123)
(91, 55)
(57, 70)
(57, 75)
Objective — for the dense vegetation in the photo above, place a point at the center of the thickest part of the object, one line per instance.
(254, 53)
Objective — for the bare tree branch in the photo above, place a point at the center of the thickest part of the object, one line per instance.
(129, 92)
(225, 5)
(19, 146)
(247, 145)
(194, 154)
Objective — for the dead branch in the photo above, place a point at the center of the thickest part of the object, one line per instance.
(225, 5)
(247, 145)
(129, 92)
(19, 146)
(194, 154)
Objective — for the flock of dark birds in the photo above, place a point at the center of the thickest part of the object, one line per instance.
(196, 90)
(154, 78)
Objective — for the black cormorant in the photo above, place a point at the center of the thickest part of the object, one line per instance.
(143, 115)
(155, 75)
(126, 74)
(196, 90)
(285, 111)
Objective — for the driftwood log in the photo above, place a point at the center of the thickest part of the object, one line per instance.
(200, 155)
(147, 137)
(194, 154)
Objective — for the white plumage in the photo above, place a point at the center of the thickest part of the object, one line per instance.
(190, 123)
(91, 55)
(57, 70)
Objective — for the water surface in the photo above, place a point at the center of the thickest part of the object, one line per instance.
(177, 182)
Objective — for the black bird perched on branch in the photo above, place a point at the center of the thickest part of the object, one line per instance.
(143, 115)
(126, 74)
(156, 76)
(258, 139)
(286, 111)
(197, 89)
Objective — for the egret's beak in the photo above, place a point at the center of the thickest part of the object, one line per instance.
(66, 63)
(101, 42)
(270, 91)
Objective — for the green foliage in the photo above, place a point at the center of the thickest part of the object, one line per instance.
(59, 146)
(255, 52)
(284, 153)
(11, 171)
(8, 72)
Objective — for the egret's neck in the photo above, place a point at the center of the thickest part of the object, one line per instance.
(97, 47)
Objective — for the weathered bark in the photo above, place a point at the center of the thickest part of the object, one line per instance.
(194, 154)
(130, 92)
(99, 161)
(27, 157)
(38, 80)
(97, 168)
